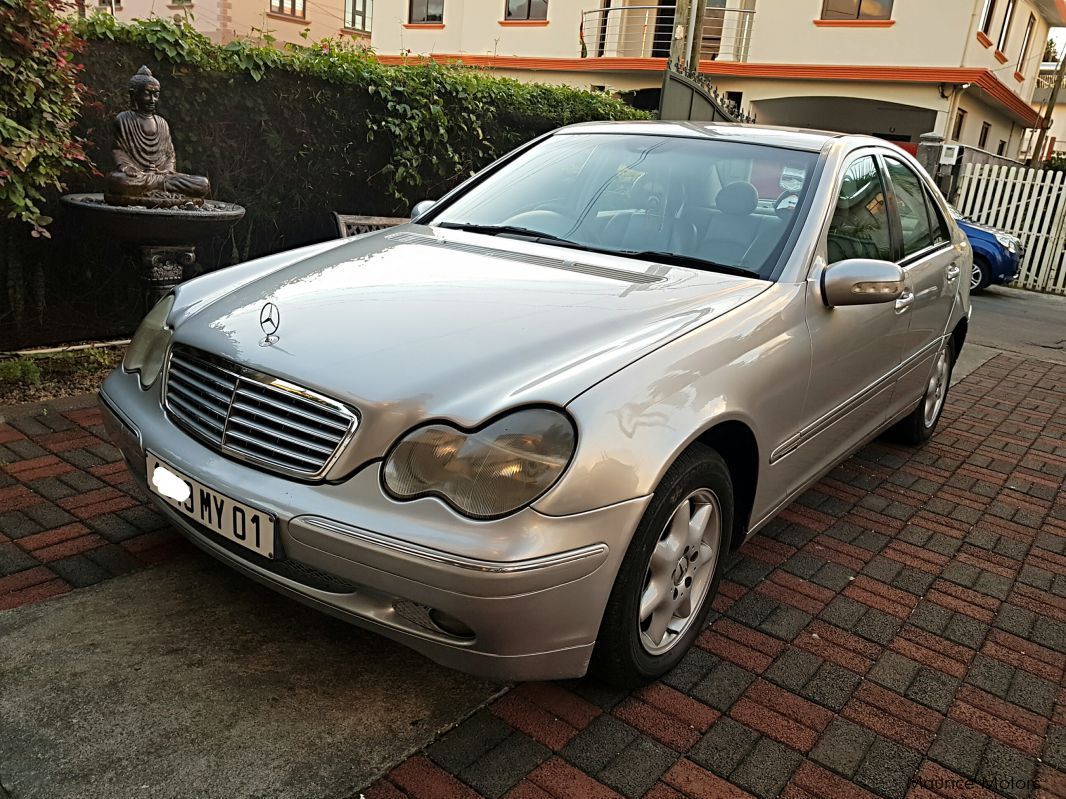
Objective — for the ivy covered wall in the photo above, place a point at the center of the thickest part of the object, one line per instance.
(291, 135)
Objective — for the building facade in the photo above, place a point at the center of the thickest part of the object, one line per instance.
(299, 22)
(964, 69)
(967, 70)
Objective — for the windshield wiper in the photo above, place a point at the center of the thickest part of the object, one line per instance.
(674, 259)
(503, 230)
(671, 258)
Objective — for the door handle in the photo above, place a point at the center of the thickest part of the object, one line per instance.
(953, 273)
(904, 301)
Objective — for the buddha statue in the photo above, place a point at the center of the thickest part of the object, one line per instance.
(146, 171)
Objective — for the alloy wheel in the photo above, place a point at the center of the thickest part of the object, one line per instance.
(680, 571)
(977, 276)
(938, 387)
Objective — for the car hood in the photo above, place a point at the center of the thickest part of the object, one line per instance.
(975, 227)
(419, 323)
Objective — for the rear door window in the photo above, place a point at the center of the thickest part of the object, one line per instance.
(941, 231)
(919, 229)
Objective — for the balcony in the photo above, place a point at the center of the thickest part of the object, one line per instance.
(1044, 82)
(645, 31)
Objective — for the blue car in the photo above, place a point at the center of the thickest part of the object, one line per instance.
(997, 256)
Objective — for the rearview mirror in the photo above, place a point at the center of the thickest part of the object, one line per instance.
(421, 207)
(861, 281)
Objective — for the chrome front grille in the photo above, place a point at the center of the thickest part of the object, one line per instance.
(254, 417)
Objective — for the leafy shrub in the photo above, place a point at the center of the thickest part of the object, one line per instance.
(1056, 163)
(39, 103)
(19, 370)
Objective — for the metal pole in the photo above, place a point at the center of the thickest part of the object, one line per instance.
(699, 8)
(690, 34)
(1045, 121)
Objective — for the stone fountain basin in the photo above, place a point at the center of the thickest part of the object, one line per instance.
(160, 226)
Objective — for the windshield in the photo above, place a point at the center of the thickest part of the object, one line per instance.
(698, 202)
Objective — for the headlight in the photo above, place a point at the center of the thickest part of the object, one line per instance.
(149, 345)
(488, 473)
(1009, 242)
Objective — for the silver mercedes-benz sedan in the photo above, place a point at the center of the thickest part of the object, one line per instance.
(525, 433)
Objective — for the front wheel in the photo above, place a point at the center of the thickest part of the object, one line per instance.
(670, 572)
(918, 427)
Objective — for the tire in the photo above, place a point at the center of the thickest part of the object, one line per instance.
(626, 653)
(980, 277)
(919, 425)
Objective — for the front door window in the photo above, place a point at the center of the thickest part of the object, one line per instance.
(860, 227)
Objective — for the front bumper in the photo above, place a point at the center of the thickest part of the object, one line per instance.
(529, 590)
(1009, 268)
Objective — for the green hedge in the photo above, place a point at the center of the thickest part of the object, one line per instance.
(292, 135)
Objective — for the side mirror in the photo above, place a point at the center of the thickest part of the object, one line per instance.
(421, 207)
(861, 281)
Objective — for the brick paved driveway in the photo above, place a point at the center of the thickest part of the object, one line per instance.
(899, 631)
(70, 514)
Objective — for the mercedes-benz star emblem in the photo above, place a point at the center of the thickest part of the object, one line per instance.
(270, 321)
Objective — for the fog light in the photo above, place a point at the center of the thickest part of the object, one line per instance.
(450, 624)
(436, 621)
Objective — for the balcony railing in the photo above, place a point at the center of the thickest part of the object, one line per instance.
(646, 31)
(1044, 83)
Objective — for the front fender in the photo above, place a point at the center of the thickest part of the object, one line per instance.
(999, 260)
(752, 365)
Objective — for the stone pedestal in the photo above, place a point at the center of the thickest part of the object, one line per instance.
(163, 268)
(162, 241)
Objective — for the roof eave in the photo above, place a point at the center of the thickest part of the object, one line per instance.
(1054, 11)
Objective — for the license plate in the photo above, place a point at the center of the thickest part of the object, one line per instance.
(231, 519)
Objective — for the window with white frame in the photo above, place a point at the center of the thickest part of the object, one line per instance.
(1027, 41)
(988, 10)
(424, 12)
(358, 14)
(291, 8)
(1004, 32)
(857, 9)
(522, 10)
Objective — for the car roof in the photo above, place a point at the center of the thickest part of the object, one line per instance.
(792, 138)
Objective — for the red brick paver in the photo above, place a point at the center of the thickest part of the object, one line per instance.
(70, 514)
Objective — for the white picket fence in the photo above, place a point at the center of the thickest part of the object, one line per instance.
(1028, 203)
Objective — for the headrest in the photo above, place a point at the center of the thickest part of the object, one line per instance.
(738, 199)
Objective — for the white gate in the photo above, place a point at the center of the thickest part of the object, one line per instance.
(1028, 203)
